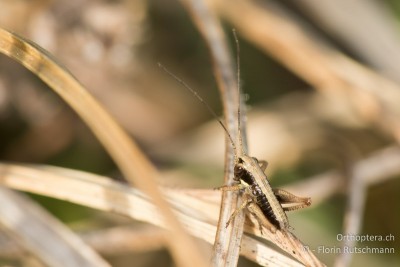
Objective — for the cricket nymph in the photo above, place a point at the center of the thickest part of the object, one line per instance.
(257, 194)
(246, 170)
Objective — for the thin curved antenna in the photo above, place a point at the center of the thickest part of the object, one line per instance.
(238, 88)
(203, 102)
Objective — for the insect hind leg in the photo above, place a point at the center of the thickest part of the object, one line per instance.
(291, 202)
(257, 213)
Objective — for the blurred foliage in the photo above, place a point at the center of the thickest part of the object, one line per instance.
(122, 61)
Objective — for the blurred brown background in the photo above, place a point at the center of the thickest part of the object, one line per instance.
(113, 48)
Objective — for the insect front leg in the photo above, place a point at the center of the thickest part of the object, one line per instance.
(245, 204)
(247, 200)
(237, 187)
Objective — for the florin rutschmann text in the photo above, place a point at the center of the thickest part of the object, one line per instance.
(353, 250)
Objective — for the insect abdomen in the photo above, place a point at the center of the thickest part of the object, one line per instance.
(264, 205)
(260, 198)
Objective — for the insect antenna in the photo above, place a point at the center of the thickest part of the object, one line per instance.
(185, 85)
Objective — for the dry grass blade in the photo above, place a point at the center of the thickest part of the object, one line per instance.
(358, 188)
(228, 239)
(42, 234)
(293, 246)
(110, 241)
(374, 98)
(382, 52)
(102, 193)
(132, 162)
(126, 239)
(353, 217)
(8, 247)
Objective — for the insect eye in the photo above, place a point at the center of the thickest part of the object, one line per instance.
(240, 160)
